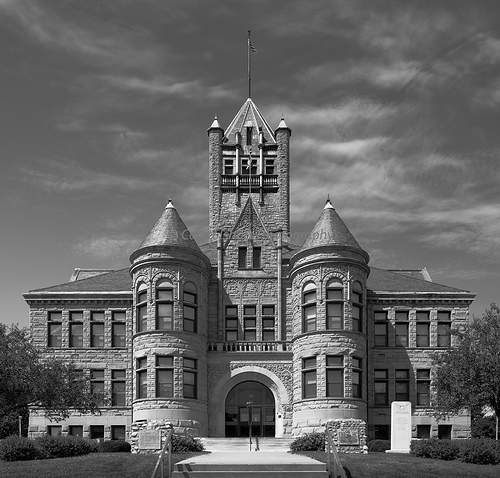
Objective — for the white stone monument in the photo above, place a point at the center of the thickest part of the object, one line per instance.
(400, 427)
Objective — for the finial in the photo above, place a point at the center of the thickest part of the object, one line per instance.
(328, 204)
(170, 205)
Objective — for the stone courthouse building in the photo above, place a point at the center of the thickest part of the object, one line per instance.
(249, 329)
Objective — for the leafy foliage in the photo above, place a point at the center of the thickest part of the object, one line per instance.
(115, 446)
(477, 451)
(186, 443)
(309, 442)
(28, 380)
(483, 427)
(15, 448)
(468, 375)
(378, 446)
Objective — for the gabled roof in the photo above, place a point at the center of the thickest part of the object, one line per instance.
(249, 115)
(169, 230)
(381, 280)
(329, 230)
(116, 281)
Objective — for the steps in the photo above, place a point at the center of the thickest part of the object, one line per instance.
(243, 444)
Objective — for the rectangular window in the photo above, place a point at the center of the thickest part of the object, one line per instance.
(97, 432)
(402, 385)
(256, 258)
(444, 329)
(117, 432)
(55, 329)
(269, 166)
(401, 328)
(309, 377)
(334, 375)
(190, 377)
(75, 431)
(380, 326)
(423, 326)
(190, 312)
(54, 430)
(249, 131)
(423, 431)
(229, 166)
(242, 257)
(97, 329)
(164, 376)
(268, 323)
(231, 322)
(381, 387)
(141, 377)
(423, 387)
(309, 312)
(444, 432)
(356, 377)
(250, 323)
(142, 318)
(76, 329)
(334, 315)
(97, 385)
(357, 323)
(118, 338)
(118, 388)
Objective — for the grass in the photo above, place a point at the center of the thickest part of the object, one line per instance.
(392, 465)
(126, 465)
(95, 465)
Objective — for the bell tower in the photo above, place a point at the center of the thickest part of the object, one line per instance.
(249, 159)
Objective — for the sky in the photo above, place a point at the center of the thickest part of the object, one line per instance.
(394, 108)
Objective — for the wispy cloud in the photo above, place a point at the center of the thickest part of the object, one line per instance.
(107, 247)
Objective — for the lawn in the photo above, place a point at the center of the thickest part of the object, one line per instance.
(95, 465)
(126, 465)
(391, 465)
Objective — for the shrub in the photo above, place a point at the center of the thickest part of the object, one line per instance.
(15, 448)
(186, 443)
(379, 446)
(422, 448)
(115, 446)
(479, 451)
(447, 450)
(309, 442)
(65, 446)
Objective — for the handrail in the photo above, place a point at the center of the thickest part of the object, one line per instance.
(167, 447)
(335, 468)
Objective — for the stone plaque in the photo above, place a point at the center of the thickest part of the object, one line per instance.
(150, 440)
(348, 437)
(400, 427)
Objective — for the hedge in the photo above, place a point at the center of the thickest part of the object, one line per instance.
(309, 442)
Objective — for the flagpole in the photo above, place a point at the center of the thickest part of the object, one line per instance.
(249, 65)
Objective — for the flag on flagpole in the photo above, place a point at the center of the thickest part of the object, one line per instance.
(252, 48)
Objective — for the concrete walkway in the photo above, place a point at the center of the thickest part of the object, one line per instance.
(238, 457)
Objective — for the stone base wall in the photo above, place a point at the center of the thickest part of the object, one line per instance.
(349, 435)
(161, 425)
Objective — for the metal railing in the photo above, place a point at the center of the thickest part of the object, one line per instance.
(335, 468)
(165, 451)
(244, 346)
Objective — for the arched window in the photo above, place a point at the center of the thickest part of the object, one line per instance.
(190, 307)
(309, 307)
(141, 303)
(335, 305)
(164, 305)
(357, 306)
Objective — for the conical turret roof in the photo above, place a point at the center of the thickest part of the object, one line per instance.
(329, 230)
(249, 115)
(170, 230)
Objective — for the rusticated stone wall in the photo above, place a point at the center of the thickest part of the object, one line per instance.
(349, 435)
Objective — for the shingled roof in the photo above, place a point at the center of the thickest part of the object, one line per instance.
(169, 230)
(249, 115)
(329, 230)
(116, 281)
(381, 280)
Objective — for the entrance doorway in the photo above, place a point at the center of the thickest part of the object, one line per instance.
(250, 404)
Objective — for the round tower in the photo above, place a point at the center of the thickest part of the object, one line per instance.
(329, 343)
(170, 287)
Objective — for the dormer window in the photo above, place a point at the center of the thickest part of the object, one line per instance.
(249, 135)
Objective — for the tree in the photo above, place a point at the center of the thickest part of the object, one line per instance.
(468, 375)
(28, 380)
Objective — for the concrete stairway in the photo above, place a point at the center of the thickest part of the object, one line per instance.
(230, 457)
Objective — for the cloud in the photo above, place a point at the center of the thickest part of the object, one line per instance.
(67, 177)
(107, 247)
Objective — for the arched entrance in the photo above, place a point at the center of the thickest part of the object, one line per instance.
(250, 402)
